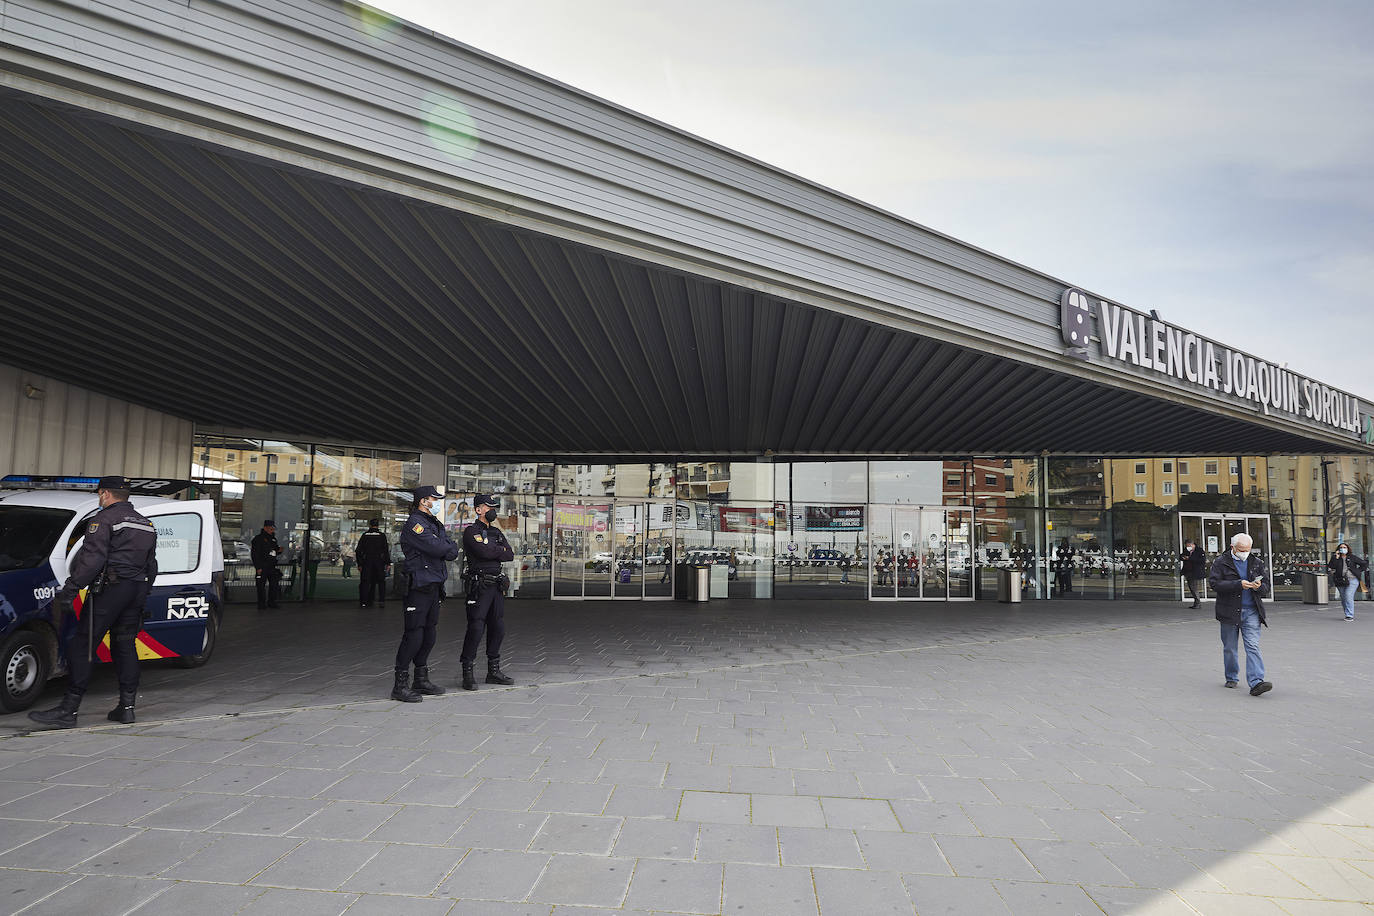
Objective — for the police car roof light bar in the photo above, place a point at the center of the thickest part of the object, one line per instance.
(143, 486)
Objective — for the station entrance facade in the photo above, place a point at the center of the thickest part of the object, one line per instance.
(901, 531)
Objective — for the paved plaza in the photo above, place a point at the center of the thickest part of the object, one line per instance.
(747, 758)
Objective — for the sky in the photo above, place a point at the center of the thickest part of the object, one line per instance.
(1208, 160)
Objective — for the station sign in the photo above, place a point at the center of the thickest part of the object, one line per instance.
(1144, 341)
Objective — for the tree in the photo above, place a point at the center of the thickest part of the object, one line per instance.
(1356, 499)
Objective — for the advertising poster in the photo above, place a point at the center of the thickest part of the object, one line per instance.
(834, 518)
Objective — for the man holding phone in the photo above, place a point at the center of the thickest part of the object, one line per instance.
(1240, 581)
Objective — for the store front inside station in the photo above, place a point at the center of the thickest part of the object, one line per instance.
(892, 531)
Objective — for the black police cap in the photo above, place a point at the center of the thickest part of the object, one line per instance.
(485, 499)
(428, 492)
(268, 523)
(113, 483)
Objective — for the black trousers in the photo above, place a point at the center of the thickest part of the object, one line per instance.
(371, 577)
(486, 613)
(269, 587)
(119, 611)
(421, 626)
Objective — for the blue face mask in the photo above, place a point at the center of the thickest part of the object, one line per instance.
(1344, 550)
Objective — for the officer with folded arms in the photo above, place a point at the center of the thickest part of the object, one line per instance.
(117, 564)
(486, 549)
(427, 549)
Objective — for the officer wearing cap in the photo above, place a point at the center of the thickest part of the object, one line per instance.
(117, 564)
(486, 549)
(265, 550)
(373, 554)
(427, 549)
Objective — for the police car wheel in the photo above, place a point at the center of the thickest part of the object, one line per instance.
(207, 647)
(24, 667)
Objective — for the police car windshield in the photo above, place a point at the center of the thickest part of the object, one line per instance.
(28, 533)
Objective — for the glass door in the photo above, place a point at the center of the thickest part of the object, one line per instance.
(607, 549)
(627, 549)
(660, 553)
(959, 553)
(1213, 533)
(907, 527)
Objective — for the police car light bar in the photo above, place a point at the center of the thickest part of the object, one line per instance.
(144, 486)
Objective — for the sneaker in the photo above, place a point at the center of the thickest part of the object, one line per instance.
(1232, 683)
(1261, 687)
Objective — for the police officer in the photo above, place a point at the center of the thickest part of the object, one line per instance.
(486, 548)
(427, 548)
(373, 554)
(265, 551)
(117, 563)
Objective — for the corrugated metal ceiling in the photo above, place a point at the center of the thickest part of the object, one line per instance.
(243, 294)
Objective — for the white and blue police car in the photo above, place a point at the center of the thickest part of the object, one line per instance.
(42, 524)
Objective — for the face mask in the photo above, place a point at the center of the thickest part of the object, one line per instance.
(1242, 555)
(1344, 550)
(436, 508)
(489, 516)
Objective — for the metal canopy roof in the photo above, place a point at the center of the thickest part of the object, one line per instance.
(255, 295)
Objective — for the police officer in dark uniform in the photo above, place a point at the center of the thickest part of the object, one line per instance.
(117, 563)
(373, 554)
(427, 549)
(265, 551)
(486, 548)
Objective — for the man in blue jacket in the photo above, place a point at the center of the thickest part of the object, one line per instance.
(427, 549)
(1240, 582)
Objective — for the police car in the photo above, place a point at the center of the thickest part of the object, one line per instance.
(42, 524)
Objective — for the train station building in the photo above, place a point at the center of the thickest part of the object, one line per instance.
(311, 256)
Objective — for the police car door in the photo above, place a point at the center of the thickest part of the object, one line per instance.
(182, 613)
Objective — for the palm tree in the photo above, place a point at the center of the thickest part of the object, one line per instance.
(1357, 499)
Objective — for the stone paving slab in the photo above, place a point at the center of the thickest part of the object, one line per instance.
(823, 758)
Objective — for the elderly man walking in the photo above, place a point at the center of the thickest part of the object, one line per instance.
(1240, 582)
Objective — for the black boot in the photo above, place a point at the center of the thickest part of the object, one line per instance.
(402, 691)
(123, 713)
(63, 715)
(469, 679)
(422, 684)
(494, 675)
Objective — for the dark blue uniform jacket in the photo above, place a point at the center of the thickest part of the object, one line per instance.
(426, 546)
(486, 548)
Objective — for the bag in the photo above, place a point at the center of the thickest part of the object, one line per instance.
(625, 576)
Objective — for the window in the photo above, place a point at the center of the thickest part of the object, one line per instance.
(1185, 488)
(1292, 474)
(1273, 494)
(272, 476)
(1213, 488)
(953, 481)
(291, 460)
(252, 475)
(1168, 488)
(1183, 469)
(1254, 490)
(1314, 496)
(1253, 472)
(990, 480)
(1209, 467)
(29, 533)
(1140, 489)
(290, 478)
(178, 542)
(1231, 467)
(229, 456)
(252, 459)
(1140, 467)
(1167, 467)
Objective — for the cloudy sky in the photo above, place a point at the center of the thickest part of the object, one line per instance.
(1210, 160)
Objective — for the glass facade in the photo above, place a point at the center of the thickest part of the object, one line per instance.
(321, 498)
(1071, 527)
